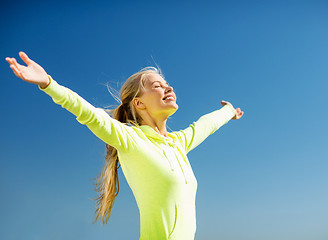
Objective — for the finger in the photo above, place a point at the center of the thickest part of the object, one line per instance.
(223, 103)
(13, 66)
(239, 115)
(16, 64)
(25, 58)
(16, 71)
(8, 59)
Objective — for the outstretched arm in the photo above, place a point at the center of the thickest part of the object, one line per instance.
(32, 73)
(206, 125)
(97, 120)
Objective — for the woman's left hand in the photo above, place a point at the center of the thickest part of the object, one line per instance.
(239, 113)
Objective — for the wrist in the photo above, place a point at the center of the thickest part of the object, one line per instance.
(46, 83)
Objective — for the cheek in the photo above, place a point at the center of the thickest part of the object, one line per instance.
(155, 96)
(151, 100)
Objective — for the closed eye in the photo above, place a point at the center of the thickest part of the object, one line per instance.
(160, 84)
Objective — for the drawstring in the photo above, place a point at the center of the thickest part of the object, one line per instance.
(184, 156)
(168, 157)
(150, 132)
(181, 168)
(176, 157)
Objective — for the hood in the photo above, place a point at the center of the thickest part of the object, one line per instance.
(151, 133)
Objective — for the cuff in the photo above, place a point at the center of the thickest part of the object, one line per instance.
(230, 109)
(54, 90)
(50, 81)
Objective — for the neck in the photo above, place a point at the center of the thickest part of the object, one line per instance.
(159, 125)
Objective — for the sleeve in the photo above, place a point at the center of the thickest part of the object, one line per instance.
(206, 125)
(97, 120)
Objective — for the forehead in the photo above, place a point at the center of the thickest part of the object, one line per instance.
(154, 77)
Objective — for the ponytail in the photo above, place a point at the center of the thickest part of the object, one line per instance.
(107, 184)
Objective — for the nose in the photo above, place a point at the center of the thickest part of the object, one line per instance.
(168, 89)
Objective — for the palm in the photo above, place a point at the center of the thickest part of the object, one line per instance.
(32, 73)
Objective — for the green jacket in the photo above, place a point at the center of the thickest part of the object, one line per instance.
(156, 167)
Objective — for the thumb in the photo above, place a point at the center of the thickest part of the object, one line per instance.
(223, 103)
(25, 58)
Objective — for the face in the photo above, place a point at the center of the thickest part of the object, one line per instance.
(158, 98)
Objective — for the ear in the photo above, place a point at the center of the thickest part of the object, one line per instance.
(138, 104)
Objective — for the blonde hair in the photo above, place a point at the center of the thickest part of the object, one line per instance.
(107, 184)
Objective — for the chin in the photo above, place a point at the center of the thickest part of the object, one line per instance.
(176, 107)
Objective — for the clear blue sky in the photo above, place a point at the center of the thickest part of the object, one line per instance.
(263, 177)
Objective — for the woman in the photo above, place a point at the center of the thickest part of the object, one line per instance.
(154, 161)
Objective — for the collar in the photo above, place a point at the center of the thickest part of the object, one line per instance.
(151, 133)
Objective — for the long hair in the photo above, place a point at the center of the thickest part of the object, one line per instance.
(107, 184)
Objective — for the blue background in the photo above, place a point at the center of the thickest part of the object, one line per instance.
(259, 178)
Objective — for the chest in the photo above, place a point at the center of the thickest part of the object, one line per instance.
(161, 163)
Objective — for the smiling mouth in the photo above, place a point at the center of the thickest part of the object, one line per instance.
(169, 97)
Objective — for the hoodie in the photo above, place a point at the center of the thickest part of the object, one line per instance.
(156, 167)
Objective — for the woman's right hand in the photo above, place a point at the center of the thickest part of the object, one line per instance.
(239, 112)
(33, 73)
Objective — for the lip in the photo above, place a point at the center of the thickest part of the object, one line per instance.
(169, 95)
